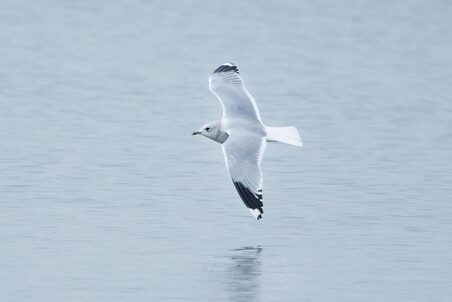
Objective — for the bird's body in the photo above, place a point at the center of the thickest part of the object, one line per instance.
(243, 135)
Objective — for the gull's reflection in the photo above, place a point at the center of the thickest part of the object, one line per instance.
(244, 274)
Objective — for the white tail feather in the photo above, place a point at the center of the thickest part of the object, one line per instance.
(288, 135)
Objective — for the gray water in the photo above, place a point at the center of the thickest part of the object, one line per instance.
(105, 196)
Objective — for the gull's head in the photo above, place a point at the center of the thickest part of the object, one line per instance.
(213, 131)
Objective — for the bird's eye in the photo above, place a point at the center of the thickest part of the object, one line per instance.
(207, 129)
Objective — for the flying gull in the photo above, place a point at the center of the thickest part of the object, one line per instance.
(243, 135)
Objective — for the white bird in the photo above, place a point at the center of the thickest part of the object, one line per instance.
(243, 135)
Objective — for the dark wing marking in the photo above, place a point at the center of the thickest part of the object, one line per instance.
(227, 67)
(252, 200)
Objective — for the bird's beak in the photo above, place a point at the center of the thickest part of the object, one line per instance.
(196, 132)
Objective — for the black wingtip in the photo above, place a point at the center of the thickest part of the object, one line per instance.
(252, 200)
(227, 67)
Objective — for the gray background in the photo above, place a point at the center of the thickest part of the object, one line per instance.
(105, 196)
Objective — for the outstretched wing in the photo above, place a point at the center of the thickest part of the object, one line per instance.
(226, 83)
(243, 153)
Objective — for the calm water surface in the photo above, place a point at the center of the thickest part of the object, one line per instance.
(105, 196)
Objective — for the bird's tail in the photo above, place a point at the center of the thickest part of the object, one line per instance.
(288, 135)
